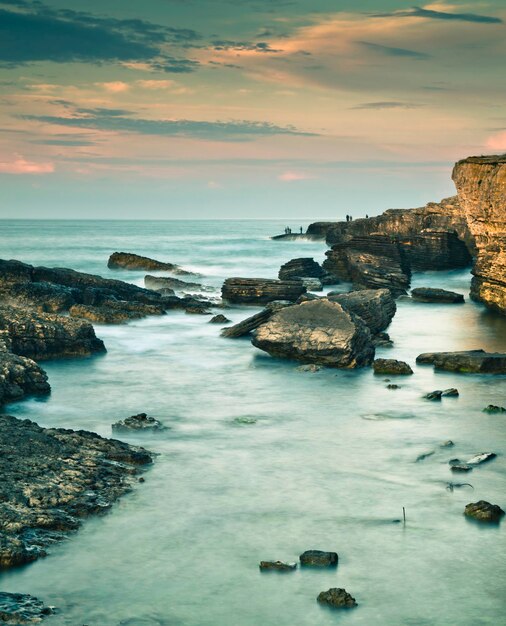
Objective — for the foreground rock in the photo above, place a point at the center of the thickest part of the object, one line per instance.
(429, 294)
(260, 290)
(252, 323)
(20, 608)
(114, 312)
(466, 362)
(337, 599)
(277, 566)
(140, 422)
(391, 366)
(48, 335)
(52, 478)
(481, 187)
(483, 511)
(129, 261)
(317, 331)
(19, 376)
(376, 307)
(318, 558)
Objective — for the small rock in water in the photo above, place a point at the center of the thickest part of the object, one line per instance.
(430, 294)
(138, 422)
(393, 386)
(318, 558)
(433, 395)
(492, 408)
(245, 420)
(483, 511)
(337, 598)
(447, 444)
(477, 459)
(20, 608)
(460, 467)
(391, 366)
(277, 566)
(309, 367)
(450, 393)
(219, 319)
(425, 455)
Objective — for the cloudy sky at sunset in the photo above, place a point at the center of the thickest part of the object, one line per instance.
(243, 108)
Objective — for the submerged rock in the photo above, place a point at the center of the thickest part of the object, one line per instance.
(433, 395)
(391, 366)
(130, 261)
(318, 558)
(483, 457)
(460, 467)
(430, 294)
(393, 386)
(483, 511)
(219, 319)
(492, 408)
(136, 423)
(376, 307)
(466, 361)
(450, 393)
(317, 331)
(277, 566)
(52, 478)
(21, 608)
(337, 598)
(157, 283)
(260, 290)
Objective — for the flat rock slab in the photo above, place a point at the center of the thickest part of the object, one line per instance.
(428, 294)
(466, 362)
(483, 511)
(391, 367)
(317, 331)
(277, 566)
(318, 558)
(21, 608)
(337, 598)
(260, 290)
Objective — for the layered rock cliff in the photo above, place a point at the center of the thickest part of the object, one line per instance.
(481, 187)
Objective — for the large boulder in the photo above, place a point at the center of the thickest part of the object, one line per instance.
(376, 307)
(483, 511)
(245, 327)
(318, 558)
(391, 367)
(317, 331)
(296, 268)
(431, 294)
(129, 261)
(466, 361)
(337, 598)
(260, 290)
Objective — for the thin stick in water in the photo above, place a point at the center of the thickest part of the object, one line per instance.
(404, 514)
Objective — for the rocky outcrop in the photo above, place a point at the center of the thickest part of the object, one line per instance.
(136, 423)
(466, 362)
(483, 511)
(48, 335)
(115, 312)
(433, 249)
(296, 268)
(19, 376)
(391, 367)
(317, 331)
(481, 187)
(129, 261)
(337, 598)
(21, 608)
(318, 558)
(158, 283)
(370, 262)
(245, 327)
(430, 294)
(52, 478)
(376, 307)
(260, 290)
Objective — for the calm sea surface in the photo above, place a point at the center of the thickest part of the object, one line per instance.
(328, 462)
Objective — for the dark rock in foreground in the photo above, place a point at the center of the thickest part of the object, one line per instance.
(51, 479)
(429, 294)
(337, 598)
(317, 331)
(19, 376)
(20, 608)
(277, 566)
(260, 290)
(140, 422)
(376, 307)
(391, 366)
(129, 261)
(318, 558)
(483, 511)
(466, 362)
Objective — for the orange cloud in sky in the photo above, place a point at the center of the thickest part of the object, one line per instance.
(19, 165)
(115, 86)
(497, 142)
(290, 177)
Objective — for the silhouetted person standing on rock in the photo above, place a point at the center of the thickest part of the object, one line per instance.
(301, 230)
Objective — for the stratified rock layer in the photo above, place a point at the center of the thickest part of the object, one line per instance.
(51, 479)
(481, 187)
(260, 290)
(376, 307)
(317, 331)
(431, 294)
(296, 268)
(466, 362)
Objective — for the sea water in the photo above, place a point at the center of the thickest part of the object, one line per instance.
(262, 461)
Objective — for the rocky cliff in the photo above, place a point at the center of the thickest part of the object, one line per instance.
(481, 187)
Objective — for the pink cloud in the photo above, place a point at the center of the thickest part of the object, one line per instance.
(115, 86)
(19, 165)
(497, 142)
(290, 177)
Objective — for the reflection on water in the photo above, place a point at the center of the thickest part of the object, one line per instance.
(263, 461)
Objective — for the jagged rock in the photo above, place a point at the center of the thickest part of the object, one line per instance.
(311, 284)
(466, 361)
(391, 366)
(481, 187)
(492, 408)
(251, 323)
(429, 294)
(370, 262)
(114, 312)
(19, 376)
(47, 336)
(21, 608)
(483, 511)
(337, 598)
(156, 283)
(318, 558)
(129, 261)
(433, 395)
(376, 307)
(51, 479)
(219, 319)
(277, 566)
(307, 267)
(318, 331)
(260, 290)
(137, 423)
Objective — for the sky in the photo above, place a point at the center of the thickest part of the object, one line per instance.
(193, 109)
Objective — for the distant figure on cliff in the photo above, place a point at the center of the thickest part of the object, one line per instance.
(301, 230)
(347, 218)
(366, 216)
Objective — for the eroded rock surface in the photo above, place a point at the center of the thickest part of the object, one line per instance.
(483, 511)
(301, 267)
(19, 376)
(260, 290)
(376, 307)
(130, 261)
(466, 362)
(21, 608)
(337, 598)
(391, 367)
(430, 294)
(245, 327)
(136, 423)
(318, 558)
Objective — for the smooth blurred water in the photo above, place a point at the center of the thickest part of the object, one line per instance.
(328, 464)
